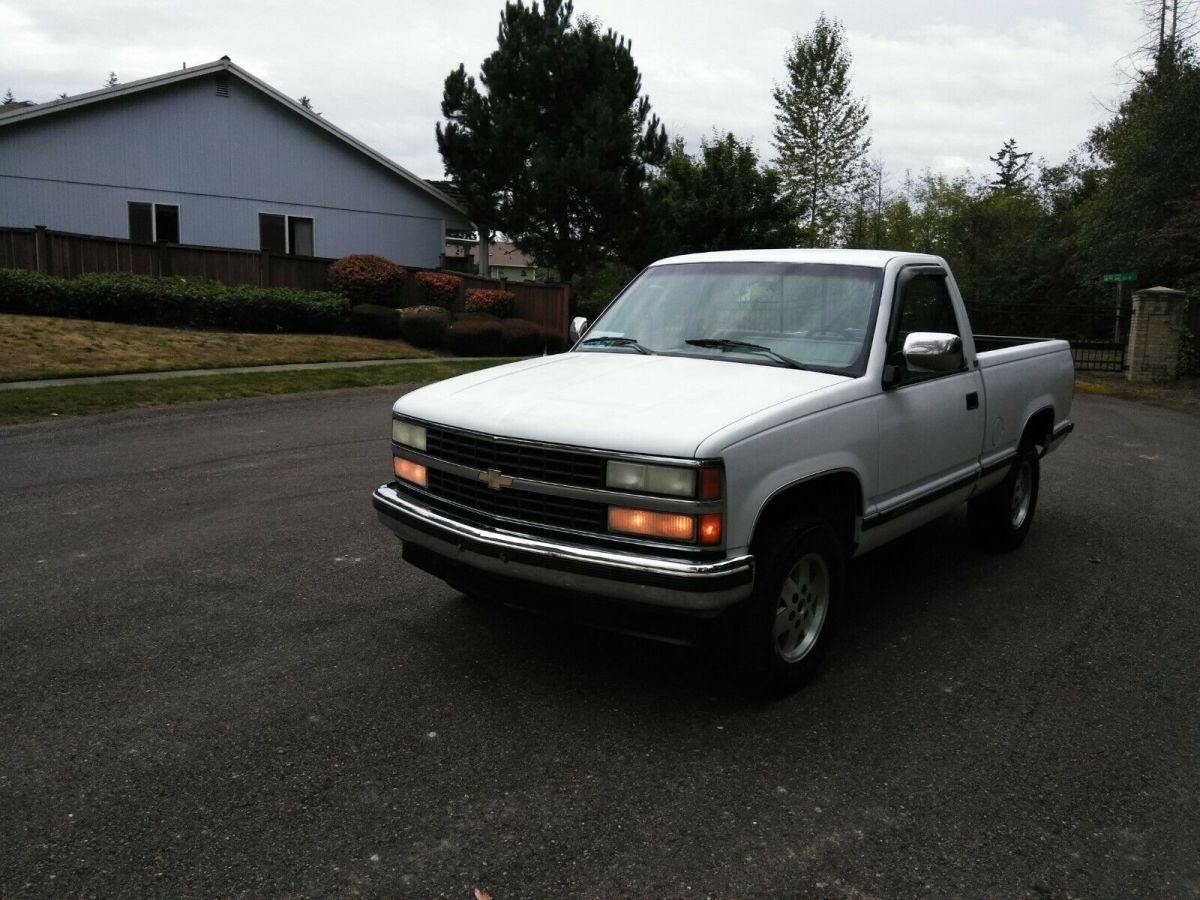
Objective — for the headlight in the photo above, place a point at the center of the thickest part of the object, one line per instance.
(408, 434)
(672, 480)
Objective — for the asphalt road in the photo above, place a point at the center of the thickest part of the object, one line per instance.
(217, 678)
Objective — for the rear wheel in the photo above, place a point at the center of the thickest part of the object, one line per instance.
(785, 627)
(1001, 518)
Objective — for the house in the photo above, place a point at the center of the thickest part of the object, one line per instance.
(213, 156)
(504, 259)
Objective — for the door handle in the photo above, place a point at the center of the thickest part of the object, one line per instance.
(973, 400)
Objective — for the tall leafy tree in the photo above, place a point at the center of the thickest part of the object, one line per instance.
(723, 198)
(555, 143)
(821, 130)
(1148, 157)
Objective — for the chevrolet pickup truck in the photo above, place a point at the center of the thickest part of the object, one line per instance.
(729, 432)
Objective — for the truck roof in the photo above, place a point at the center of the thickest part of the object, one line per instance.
(874, 258)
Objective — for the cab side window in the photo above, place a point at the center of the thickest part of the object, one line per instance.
(923, 305)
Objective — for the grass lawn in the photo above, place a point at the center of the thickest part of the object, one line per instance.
(33, 404)
(45, 347)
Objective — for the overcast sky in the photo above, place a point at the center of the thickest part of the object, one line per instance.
(946, 81)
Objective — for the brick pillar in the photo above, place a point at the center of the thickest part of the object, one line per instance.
(1152, 353)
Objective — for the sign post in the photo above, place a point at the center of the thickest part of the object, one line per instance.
(1118, 278)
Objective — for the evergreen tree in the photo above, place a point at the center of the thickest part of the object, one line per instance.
(721, 199)
(555, 144)
(9, 99)
(112, 80)
(820, 130)
(1012, 167)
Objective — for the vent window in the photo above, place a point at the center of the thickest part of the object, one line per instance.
(222, 85)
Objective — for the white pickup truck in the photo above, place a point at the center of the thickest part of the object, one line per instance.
(730, 431)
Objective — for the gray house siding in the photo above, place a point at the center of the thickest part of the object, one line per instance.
(222, 160)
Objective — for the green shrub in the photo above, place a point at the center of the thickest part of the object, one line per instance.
(438, 288)
(366, 278)
(553, 341)
(145, 299)
(373, 320)
(498, 303)
(424, 326)
(122, 297)
(30, 293)
(481, 316)
(474, 337)
(520, 337)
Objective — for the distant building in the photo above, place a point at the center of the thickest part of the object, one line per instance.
(212, 156)
(504, 259)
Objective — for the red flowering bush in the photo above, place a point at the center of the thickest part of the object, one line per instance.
(498, 303)
(364, 277)
(438, 288)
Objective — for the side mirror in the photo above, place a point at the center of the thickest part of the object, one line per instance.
(932, 351)
(578, 327)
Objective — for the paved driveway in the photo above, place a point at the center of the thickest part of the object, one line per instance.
(218, 679)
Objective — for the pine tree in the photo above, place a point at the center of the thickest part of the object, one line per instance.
(555, 144)
(820, 130)
(9, 99)
(1012, 168)
(112, 80)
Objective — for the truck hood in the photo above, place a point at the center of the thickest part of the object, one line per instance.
(627, 402)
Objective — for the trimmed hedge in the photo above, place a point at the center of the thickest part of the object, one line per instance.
(553, 341)
(475, 337)
(438, 288)
(424, 326)
(367, 278)
(521, 337)
(147, 300)
(498, 303)
(373, 320)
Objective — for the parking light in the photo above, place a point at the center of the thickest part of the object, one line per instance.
(410, 471)
(671, 526)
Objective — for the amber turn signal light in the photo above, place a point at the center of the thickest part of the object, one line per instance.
(409, 471)
(710, 528)
(646, 522)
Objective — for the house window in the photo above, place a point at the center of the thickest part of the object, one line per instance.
(285, 234)
(150, 222)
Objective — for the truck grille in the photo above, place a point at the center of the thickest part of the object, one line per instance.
(560, 512)
(519, 460)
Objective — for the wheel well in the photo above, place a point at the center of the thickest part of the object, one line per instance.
(836, 497)
(1039, 428)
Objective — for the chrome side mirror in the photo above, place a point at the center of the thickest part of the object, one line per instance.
(578, 327)
(932, 351)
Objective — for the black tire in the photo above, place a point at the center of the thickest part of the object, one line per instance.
(1000, 519)
(783, 635)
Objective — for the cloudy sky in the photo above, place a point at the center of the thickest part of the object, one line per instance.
(947, 81)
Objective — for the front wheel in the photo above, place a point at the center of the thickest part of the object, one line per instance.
(785, 627)
(1001, 518)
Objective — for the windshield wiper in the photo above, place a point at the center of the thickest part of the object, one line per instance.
(613, 341)
(724, 344)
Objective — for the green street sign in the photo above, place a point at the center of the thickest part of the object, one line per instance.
(1120, 276)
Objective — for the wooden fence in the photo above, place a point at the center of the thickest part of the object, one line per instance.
(68, 255)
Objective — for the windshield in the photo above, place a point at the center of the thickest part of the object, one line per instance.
(803, 315)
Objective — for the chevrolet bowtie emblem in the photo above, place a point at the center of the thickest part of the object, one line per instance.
(495, 479)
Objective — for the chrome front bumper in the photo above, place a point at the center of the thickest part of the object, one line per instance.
(643, 580)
